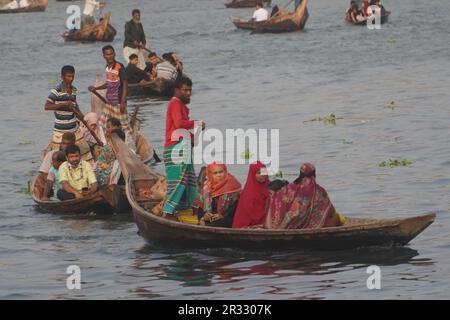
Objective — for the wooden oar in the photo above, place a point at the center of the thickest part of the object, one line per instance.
(92, 132)
(98, 95)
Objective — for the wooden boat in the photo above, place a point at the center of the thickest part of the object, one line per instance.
(282, 22)
(103, 31)
(384, 19)
(158, 87)
(35, 6)
(158, 230)
(108, 200)
(246, 3)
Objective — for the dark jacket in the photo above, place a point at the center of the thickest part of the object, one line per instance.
(136, 75)
(133, 32)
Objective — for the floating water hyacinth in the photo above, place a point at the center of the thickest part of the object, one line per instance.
(25, 142)
(391, 105)
(395, 163)
(329, 119)
(246, 154)
(391, 41)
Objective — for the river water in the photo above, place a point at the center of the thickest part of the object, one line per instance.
(245, 81)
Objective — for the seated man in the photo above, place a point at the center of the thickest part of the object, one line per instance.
(134, 74)
(52, 183)
(260, 13)
(150, 67)
(67, 140)
(165, 69)
(76, 176)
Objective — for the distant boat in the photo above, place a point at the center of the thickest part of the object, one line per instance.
(35, 6)
(280, 22)
(384, 18)
(156, 88)
(103, 31)
(245, 3)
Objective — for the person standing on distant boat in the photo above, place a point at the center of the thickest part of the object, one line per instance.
(135, 41)
(116, 86)
(88, 13)
(180, 174)
(260, 13)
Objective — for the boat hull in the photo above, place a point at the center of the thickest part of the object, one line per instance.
(156, 88)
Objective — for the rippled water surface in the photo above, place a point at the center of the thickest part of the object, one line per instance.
(245, 81)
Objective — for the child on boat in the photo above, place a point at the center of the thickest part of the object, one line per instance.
(52, 183)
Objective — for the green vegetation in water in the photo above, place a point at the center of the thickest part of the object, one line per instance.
(344, 141)
(391, 41)
(24, 191)
(280, 174)
(29, 174)
(395, 163)
(25, 142)
(246, 154)
(329, 119)
(391, 105)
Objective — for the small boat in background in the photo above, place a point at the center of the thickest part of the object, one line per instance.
(102, 31)
(246, 3)
(34, 6)
(280, 22)
(384, 18)
(155, 88)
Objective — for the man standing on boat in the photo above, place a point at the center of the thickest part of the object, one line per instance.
(135, 41)
(180, 174)
(116, 86)
(88, 13)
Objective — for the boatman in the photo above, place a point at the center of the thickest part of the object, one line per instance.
(180, 174)
(260, 13)
(135, 41)
(63, 102)
(88, 13)
(116, 86)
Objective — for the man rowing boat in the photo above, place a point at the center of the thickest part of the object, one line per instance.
(135, 41)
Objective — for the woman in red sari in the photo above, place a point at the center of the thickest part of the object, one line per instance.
(302, 204)
(218, 199)
(251, 209)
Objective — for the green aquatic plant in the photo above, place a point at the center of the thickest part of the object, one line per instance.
(24, 191)
(391, 105)
(25, 142)
(246, 154)
(395, 163)
(329, 119)
(391, 41)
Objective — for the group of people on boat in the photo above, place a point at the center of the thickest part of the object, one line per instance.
(16, 4)
(358, 12)
(261, 14)
(85, 140)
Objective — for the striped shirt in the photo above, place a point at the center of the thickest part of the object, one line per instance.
(166, 70)
(114, 81)
(65, 121)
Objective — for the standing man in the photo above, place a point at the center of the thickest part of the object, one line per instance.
(116, 86)
(88, 13)
(63, 102)
(180, 174)
(134, 39)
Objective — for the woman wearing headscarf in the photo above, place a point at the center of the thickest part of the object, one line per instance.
(251, 209)
(218, 198)
(91, 119)
(303, 204)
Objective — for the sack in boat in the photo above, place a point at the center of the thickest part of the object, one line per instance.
(187, 216)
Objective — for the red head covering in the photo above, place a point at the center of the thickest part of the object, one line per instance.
(228, 185)
(251, 209)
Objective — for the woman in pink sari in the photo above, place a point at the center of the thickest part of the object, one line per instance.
(91, 119)
(302, 204)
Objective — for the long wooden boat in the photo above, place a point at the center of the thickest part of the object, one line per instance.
(158, 87)
(101, 32)
(158, 230)
(246, 3)
(283, 22)
(384, 19)
(106, 200)
(35, 6)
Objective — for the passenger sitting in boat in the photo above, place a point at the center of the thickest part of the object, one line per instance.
(177, 64)
(352, 14)
(91, 119)
(76, 176)
(365, 9)
(260, 13)
(134, 74)
(165, 69)
(379, 5)
(251, 208)
(151, 66)
(68, 139)
(52, 183)
(303, 204)
(218, 200)
(107, 169)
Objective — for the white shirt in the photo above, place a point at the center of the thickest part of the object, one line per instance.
(23, 3)
(90, 6)
(11, 5)
(261, 15)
